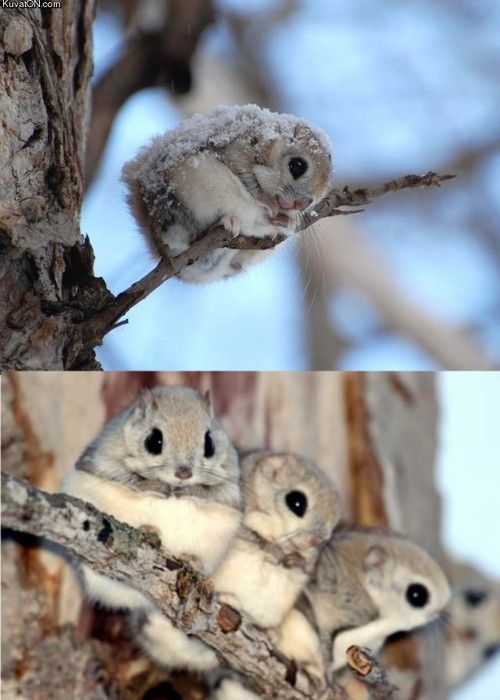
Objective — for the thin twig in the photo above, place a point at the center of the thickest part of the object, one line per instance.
(346, 197)
(368, 670)
(185, 596)
(215, 237)
(96, 327)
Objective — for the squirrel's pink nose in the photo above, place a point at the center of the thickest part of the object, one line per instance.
(301, 204)
(183, 472)
(296, 204)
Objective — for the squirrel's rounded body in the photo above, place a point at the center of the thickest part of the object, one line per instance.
(366, 586)
(166, 464)
(252, 170)
(290, 510)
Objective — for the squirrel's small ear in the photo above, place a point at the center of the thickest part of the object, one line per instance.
(141, 406)
(144, 398)
(252, 459)
(207, 400)
(256, 461)
(374, 558)
(375, 564)
(272, 466)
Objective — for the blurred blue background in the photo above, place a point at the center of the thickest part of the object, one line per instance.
(399, 88)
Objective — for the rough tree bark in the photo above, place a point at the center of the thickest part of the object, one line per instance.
(375, 434)
(46, 63)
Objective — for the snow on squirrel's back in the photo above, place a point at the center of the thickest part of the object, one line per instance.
(216, 129)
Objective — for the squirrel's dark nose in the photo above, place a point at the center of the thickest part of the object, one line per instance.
(183, 472)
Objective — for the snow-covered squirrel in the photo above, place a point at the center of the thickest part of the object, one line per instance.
(367, 585)
(290, 510)
(164, 463)
(249, 169)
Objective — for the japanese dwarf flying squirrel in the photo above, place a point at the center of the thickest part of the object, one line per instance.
(164, 462)
(249, 169)
(366, 586)
(290, 510)
(473, 616)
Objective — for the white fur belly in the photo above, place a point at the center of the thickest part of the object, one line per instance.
(189, 526)
(211, 267)
(186, 526)
(231, 689)
(263, 590)
(173, 648)
(298, 640)
(205, 186)
(111, 593)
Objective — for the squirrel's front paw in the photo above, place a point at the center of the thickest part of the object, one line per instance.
(281, 220)
(154, 532)
(231, 223)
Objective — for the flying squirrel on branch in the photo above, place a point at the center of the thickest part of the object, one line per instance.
(290, 510)
(165, 463)
(249, 169)
(472, 634)
(366, 586)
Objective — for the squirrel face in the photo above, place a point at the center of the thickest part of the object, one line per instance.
(404, 581)
(473, 617)
(168, 435)
(245, 168)
(295, 173)
(289, 502)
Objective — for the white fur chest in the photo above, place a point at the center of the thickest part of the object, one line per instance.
(186, 526)
(190, 526)
(298, 640)
(266, 591)
(210, 190)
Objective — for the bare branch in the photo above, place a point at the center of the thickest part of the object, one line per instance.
(98, 325)
(156, 58)
(371, 673)
(346, 197)
(185, 596)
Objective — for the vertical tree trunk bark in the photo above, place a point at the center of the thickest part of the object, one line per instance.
(392, 427)
(374, 433)
(45, 69)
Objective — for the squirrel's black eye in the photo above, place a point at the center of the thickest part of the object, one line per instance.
(209, 444)
(417, 595)
(297, 167)
(474, 597)
(297, 502)
(154, 442)
(490, 651)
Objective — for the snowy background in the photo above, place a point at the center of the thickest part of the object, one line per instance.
(399, 88)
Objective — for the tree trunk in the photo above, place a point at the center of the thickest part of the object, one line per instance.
(45, 69)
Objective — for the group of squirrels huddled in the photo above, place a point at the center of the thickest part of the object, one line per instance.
(266, 528)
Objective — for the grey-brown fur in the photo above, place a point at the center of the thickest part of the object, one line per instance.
(363, 576)
(118, 452)
(228, 167)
